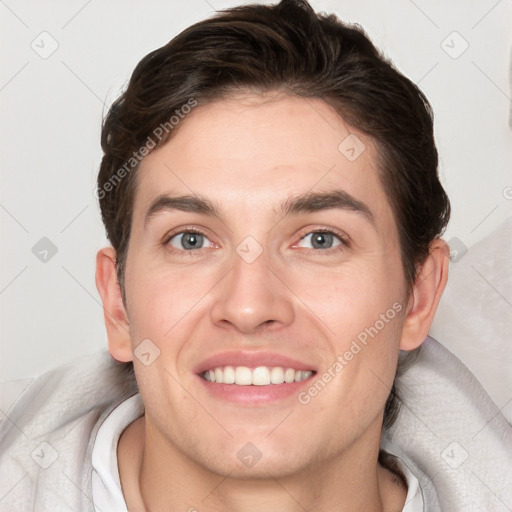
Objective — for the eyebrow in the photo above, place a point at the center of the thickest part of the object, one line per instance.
(185, 203)
(318, 201)
(304, 203)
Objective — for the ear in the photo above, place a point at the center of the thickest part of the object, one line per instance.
(426, 293)
(116, 317)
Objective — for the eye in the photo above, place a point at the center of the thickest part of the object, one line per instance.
(321, 240)
(188, 240)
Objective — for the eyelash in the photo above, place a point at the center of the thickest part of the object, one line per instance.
(168, 238)
(342, 237)
(345, 243)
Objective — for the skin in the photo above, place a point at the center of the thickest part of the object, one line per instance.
(247, 155)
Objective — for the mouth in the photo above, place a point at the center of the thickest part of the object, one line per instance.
(259, 376)
(253, 378)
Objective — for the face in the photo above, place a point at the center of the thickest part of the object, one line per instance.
(281, 263)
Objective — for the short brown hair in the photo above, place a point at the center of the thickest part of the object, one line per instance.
(285, 47)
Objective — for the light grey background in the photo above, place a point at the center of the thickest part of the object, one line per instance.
(52, 109)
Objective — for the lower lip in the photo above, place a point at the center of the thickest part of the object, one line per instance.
(254, 395)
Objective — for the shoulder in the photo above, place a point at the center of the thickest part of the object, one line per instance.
(449, 430)
(47, 434)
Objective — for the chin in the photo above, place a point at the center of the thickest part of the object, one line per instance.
(260, 459)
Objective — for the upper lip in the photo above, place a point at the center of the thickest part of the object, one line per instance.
(251, 360)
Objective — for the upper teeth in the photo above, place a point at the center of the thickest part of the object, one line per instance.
(260, 376)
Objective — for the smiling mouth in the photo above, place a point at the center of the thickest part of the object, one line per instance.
(259, 376)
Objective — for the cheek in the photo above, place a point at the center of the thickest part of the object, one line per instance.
(155, 304)
(361, 313)
(351, 297)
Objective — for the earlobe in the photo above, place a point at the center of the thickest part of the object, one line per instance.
(116, 317)
(425, 296)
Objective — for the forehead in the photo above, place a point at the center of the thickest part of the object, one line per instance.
(250, 152)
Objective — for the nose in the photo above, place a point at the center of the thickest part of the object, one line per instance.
(252, 296)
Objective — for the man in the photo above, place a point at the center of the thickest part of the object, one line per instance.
(270, 190)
